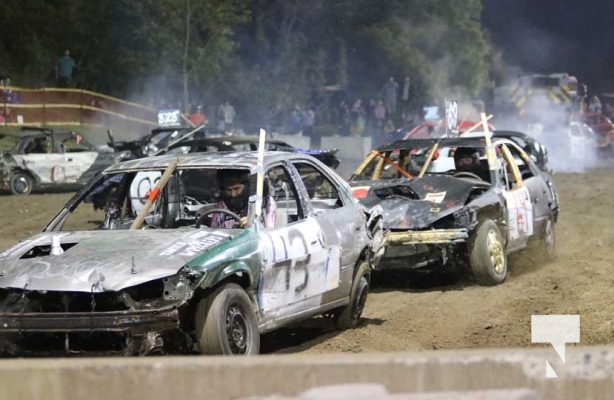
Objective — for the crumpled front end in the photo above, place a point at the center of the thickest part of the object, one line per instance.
(429, 246)
(142, 319)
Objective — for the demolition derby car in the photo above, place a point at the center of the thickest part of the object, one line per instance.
(249, 143)
(130, 265)
(459, 219)
(44, 159)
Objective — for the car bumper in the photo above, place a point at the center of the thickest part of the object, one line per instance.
(134, 321)
(434, 236)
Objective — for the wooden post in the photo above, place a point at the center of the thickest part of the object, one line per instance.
(154, 194)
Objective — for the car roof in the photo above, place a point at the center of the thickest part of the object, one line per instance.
(443, 142)
(222, 159)
(499, 134)
(230, 139)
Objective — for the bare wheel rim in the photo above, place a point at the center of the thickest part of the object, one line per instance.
(495, 251)
(21, 184)
(236, 329)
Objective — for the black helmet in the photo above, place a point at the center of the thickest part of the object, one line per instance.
(227, 177)
(467, 152)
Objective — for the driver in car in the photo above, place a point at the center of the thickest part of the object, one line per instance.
(234, 196)
(467, 159)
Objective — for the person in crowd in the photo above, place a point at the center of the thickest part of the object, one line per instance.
(65, 70)
(198, 117)
(390, 90)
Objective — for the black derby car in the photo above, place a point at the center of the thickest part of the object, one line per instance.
(452, 219)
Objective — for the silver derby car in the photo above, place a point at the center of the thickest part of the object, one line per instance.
(132, 265)
(43, 159)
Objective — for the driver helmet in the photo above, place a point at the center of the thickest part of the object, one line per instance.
(234, 188)
(467, 159)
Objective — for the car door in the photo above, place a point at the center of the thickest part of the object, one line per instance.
(298, 269)
(519, 205)
(45, 164)
(539, 191)
(343, 225)
(76, 159)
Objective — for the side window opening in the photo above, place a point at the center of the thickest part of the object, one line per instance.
(283, 192)
(322, 192)
(521, 163)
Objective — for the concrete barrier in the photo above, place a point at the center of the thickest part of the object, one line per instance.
(303, 142)
(588, 374)
(352, 150)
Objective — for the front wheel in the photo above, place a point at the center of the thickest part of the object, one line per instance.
(487, 256)
(21, 184)
(348, 316)
(226, 323)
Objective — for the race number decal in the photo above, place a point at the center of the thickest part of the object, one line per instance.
(520, 213)
(452, 115)
(297, 267)
(435, 197)
(169, 118)
(141, 186)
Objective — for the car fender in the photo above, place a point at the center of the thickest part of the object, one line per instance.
(236, 268)
(377, 234)
(18, 169)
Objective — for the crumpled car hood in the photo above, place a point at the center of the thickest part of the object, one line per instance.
(96, 261)
(419, 203)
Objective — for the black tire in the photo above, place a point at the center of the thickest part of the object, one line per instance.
(487, 257)
(348, 316)
(21, 184)
(547, 242)
(226, 323)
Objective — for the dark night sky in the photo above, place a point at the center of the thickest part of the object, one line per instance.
(544, 36)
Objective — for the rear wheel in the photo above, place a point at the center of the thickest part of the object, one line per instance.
(349, 316)
(547, 242)
(487, 256)
(21, 184)
(226, 323)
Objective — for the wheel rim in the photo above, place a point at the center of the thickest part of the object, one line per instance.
(549, 237)
(495, 250)
(361, 300)
(236, 329)
(21, 184)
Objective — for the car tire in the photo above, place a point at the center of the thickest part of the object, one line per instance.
(348, 316)
(487, 257)
(21, 184)
(546, 249)
(226, 323)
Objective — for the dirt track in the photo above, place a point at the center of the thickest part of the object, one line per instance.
(402, 315)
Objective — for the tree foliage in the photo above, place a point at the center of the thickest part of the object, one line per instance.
(255, 53)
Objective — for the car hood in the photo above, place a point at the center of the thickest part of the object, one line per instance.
(419, 203)
(96, 261)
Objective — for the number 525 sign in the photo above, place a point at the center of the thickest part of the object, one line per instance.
(169, 118)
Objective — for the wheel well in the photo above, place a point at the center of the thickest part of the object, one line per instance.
(25, 172)
(364, 256)
(187, 317)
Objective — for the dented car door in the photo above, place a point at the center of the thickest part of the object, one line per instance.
(298, 267)
(518, 203)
